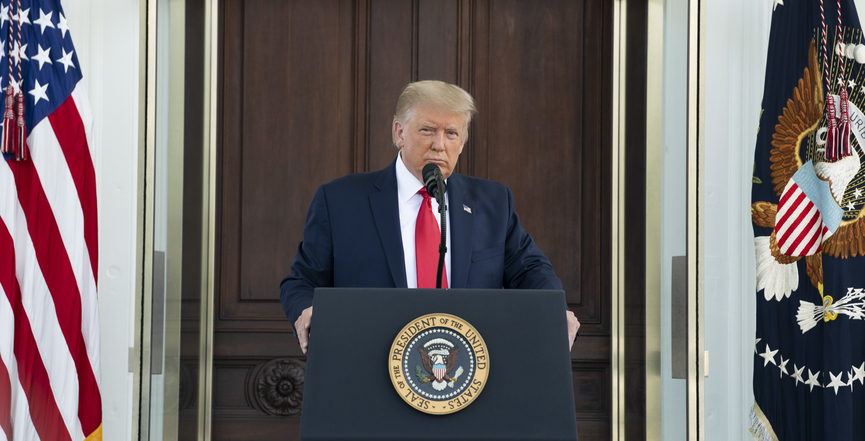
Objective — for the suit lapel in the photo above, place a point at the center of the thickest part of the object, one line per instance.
(461, 224)
(385, 211)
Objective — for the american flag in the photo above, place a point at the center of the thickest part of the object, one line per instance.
(49, 323)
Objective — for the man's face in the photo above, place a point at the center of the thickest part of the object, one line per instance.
(431, 136)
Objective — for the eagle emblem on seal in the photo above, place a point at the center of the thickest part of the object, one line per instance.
(439, 358)
(438, 363)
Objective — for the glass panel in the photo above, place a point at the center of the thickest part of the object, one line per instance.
(160, 231)
(673, 229)
(732, 117)
(177, 223)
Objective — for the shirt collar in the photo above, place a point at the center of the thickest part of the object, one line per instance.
(407, 184)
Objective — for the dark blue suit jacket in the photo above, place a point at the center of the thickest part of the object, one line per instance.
(352, 238)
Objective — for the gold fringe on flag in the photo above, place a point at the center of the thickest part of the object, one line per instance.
(760, 427)
(96, 435)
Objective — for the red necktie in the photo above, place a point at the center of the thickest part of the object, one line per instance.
(427, 238)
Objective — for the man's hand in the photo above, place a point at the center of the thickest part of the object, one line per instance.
(573, 327)
(305, 321)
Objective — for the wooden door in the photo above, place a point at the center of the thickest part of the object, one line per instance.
(307, 93)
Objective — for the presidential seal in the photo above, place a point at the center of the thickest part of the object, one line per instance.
(439, 364)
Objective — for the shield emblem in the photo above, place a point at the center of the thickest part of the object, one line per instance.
(799, 229)
(807, 214)
(439, 371)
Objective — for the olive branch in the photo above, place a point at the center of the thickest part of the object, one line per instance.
(421, 376)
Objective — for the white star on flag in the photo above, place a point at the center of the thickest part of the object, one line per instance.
(851, 84)
(38, 92)
(812, 380)
(836, 381)
(43, 56)
(66, 61)
(62, 25)
(44, 20)
(769, 356)
(783, 366)
(16, 86)
(25, 17)
(19, 52)
(4, 15)
(797, 374)
(859, 373)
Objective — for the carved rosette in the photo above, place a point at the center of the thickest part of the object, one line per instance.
(278, 386)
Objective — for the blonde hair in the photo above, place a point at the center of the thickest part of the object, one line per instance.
(437, 94)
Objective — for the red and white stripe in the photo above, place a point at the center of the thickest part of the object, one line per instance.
(14, 407)
(799, 227)
(439, 373)
(49, 322)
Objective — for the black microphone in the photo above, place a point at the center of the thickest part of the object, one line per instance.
(434, 182)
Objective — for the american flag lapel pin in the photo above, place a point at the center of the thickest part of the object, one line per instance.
(467, 209)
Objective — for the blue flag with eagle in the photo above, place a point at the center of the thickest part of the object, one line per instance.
(807, 211)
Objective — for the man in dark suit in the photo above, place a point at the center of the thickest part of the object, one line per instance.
(377, 229)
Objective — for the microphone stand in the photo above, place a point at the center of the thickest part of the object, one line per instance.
(444, 227)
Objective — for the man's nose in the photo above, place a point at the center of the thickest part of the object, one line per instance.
(439, 141)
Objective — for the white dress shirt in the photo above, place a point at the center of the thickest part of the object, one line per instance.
(409, 206)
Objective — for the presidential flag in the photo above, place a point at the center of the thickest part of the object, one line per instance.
(808, 194)
(49, 323)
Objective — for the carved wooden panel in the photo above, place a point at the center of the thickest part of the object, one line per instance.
(390, 51)
(541, 80)
(590, 397)
(277, 149)
(592, 400)
(307, 94)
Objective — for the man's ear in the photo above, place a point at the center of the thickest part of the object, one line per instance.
(399, 133)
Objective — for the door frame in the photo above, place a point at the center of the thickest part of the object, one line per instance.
(694, 352)
(652, 146)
